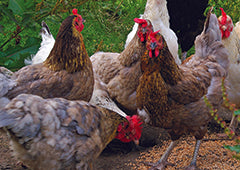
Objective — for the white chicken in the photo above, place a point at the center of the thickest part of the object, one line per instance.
(237, 28)
(154, 10)
(231, 41)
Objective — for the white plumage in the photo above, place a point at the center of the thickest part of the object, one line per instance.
(45, 48)
(156, 11)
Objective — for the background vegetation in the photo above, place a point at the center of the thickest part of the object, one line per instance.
(106, 27)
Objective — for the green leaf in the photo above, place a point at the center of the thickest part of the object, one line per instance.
(237, 112)
(17, 6)
(31, 47)
(13, 58)
(235, 148)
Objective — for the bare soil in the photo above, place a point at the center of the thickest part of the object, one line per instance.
(212, 155)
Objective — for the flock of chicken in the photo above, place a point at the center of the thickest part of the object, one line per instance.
(62, 110)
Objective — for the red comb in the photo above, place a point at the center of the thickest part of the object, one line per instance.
(153, 34)
(141, 21)
(224, 16)
(135, 123)
(75, 11)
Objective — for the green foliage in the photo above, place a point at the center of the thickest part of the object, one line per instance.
(107, 24)
(231, 7)
(235, 148)
(236, 112)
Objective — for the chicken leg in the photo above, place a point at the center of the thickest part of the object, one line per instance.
(193, 165)
(162, 163)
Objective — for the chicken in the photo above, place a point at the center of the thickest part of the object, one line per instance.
(121, 72)
(100, 96)
(172, 97)
(45, 48)
(60, 134)
(231, 41)
(156, 11)
(237, 29)
(67, 72)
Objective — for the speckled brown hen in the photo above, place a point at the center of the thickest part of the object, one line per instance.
(67, 72)
(121, 72)
(62, 134)
(172, 96)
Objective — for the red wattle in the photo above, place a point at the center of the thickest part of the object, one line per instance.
(156, 52)
(150, 53)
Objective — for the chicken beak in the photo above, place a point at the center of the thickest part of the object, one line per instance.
(153, 45)
(224, 28)
(144, 30)
(136, 142)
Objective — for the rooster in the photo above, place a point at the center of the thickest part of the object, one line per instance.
(172, 97)
(61, 134)
(231, 41)
(156, 11)
(67, 72)
(45, 48)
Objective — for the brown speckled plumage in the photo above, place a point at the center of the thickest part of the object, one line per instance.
(121, 72)
(166, 89)
(67, 72)
(173, 96)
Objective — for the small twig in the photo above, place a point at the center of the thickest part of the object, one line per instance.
(99, 46)
(117, 8)
(14, 35)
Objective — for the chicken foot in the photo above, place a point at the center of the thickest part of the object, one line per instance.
(162, 163)
(193, 165)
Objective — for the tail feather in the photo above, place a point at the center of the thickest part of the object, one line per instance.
(6, 119)
(45, 48)
(209, 42)
(45, 29)
(20, 118)
(6, 83)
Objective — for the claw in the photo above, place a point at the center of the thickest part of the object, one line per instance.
(19, 163)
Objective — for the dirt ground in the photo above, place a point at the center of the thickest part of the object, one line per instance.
(212, 155)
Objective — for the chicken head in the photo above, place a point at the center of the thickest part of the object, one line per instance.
(225, 24)
(78, 21)
(144, 28)
(131, 130)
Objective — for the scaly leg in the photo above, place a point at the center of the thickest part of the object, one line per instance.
(193, 165)
(162, 163)
(234, 123)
